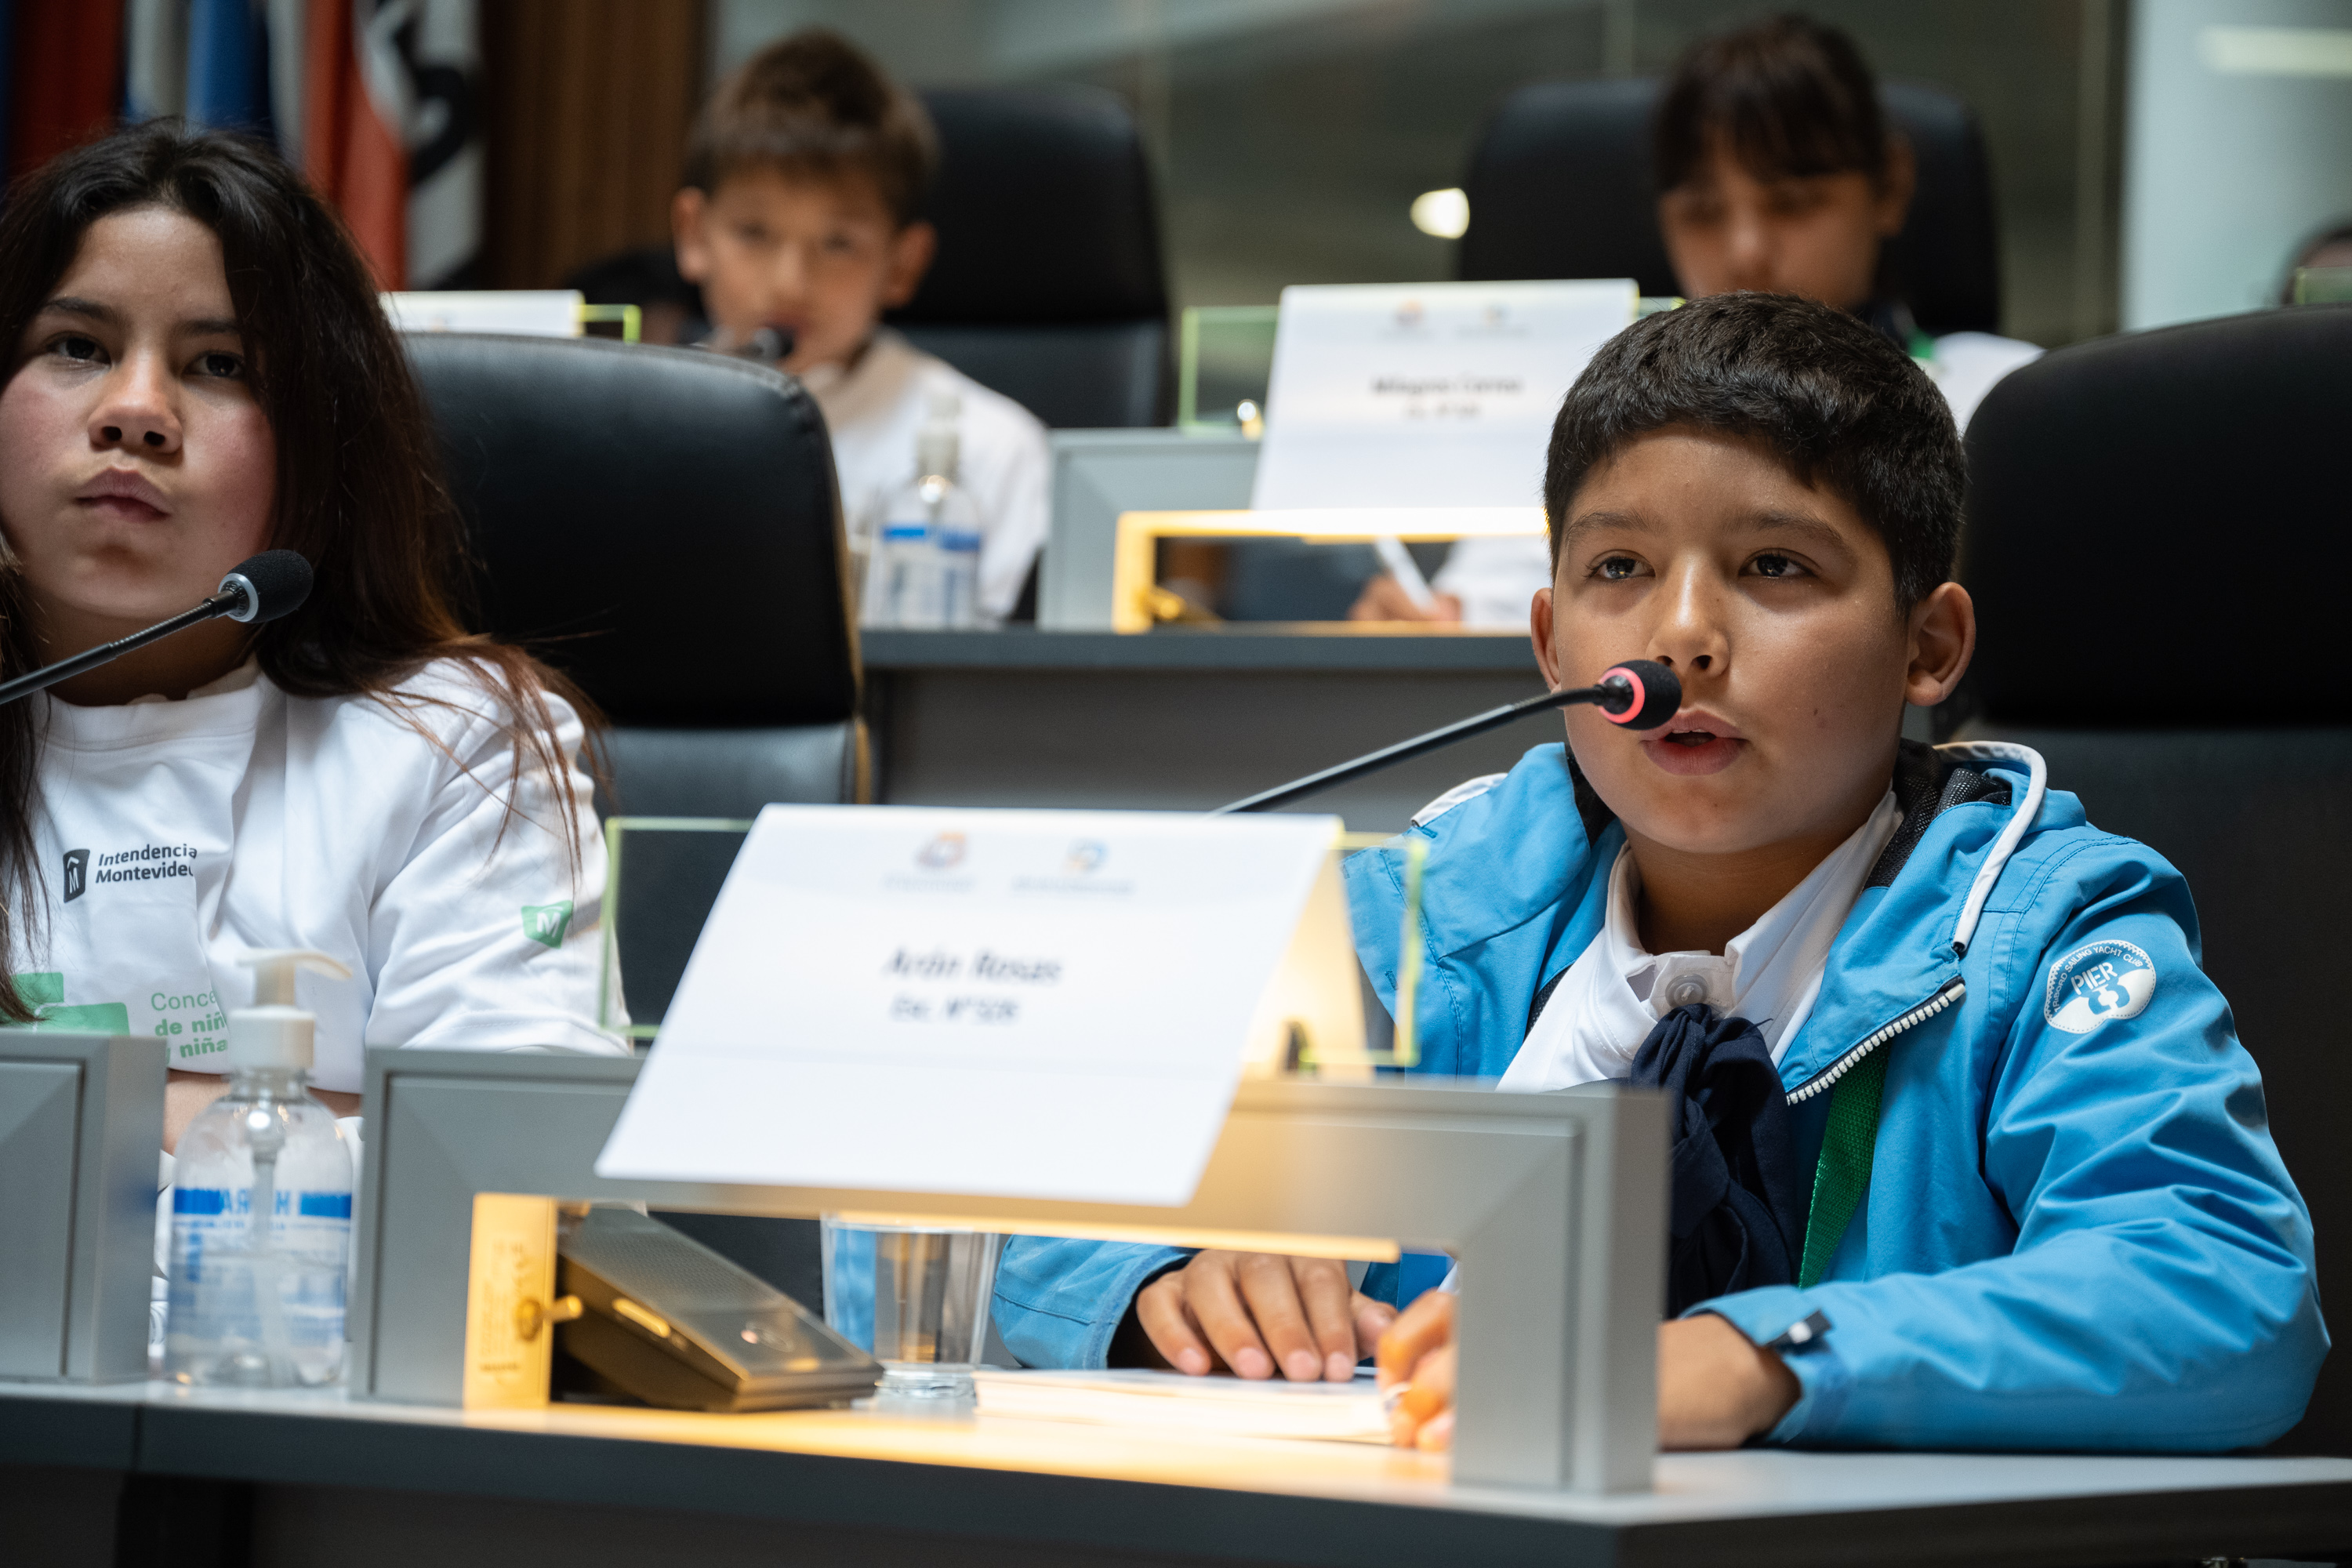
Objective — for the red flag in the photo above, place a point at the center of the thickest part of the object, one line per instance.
(351, 148)
(66, 79)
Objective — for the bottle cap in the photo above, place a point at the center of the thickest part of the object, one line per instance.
(273, 1032)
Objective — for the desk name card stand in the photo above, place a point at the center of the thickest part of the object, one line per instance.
(81, 1122)
(1554, 1204)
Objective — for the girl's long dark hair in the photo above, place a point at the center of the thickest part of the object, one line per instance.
(359, 492)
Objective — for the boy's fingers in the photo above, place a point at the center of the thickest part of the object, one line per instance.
(1372, 1320)
(1214, 1297)
(1330, 1314)
(1160, 1310)
(1419, 1330)
(1431, 1393)
(1436, 1435)
(1271, 1289)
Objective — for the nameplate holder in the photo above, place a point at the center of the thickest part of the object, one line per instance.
(1050, 1005)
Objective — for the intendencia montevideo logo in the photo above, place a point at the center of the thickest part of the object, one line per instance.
(148, 863)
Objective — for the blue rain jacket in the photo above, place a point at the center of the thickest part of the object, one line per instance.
(2078, 1233)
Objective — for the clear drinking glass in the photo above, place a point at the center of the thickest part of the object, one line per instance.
(917, 1299)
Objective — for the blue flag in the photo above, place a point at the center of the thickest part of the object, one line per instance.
(228, 66)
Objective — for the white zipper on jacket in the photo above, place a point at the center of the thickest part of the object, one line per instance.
(1949, 992)
(1964, 929)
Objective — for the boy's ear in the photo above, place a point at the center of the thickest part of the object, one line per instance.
(911, 250)
(687, 210)
(1894, 192)
(1943, 639)
(1540, 631)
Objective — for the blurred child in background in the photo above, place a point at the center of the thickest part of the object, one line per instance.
(1778, 173)
(799, 216)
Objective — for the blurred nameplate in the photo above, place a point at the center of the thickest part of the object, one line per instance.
(516, 313)
(1425, 395)
(1015, 1004)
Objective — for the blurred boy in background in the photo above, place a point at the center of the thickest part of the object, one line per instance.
(1776, 171)
(799, 216)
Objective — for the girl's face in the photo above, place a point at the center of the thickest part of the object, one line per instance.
(1816, 235)
(136, 464)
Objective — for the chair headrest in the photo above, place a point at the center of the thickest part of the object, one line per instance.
(2150, 521)
(1559, 186)
(661, 524)
(1044, 209)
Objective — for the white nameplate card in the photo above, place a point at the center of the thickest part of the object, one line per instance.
(1425, 395)
(1011, 1004)
(519, 312)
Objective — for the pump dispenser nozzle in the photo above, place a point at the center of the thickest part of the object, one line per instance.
(273, 1032)
(939, 440)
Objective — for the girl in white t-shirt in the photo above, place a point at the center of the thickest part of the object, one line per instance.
(201, 372)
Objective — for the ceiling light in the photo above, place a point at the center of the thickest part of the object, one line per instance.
(1446, 213)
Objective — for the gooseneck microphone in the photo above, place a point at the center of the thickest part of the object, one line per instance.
(1639, 694)
(270, 584)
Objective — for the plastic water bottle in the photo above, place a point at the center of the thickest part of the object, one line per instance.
(924, 572)
(900, 586)
(261, 1207)
(957, 554)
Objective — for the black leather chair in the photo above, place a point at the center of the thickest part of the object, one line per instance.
(663, 525)
(1559, 186)
(2152, 520)
(1048, 286)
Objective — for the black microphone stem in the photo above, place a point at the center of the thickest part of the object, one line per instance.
(65, 669)
(1405, 751)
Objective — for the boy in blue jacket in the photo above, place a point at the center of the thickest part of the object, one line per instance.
(2014, 1185)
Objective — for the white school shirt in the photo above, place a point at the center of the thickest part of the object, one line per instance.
(1497, 579)
(873, 410)
(1594, 1022)
(175, 837)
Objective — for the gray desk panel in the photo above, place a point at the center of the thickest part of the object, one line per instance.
(37, 1428)
(1165, 741)
(1259, 646)
(1185, 719)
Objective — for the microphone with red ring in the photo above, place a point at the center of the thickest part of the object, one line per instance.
(1639, 694)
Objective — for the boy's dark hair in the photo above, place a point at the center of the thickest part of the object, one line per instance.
(1841, 405)
(1788, 95)
(815, 105)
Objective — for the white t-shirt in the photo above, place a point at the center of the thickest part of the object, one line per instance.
(873, 410)
(1497, 579)
(175, 837)
(1594, 1022)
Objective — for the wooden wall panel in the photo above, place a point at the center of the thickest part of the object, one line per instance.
(588, 106)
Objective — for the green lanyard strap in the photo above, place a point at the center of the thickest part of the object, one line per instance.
(1843, 1176)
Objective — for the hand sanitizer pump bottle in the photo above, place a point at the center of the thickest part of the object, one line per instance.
(261, 1211)
(924, 571)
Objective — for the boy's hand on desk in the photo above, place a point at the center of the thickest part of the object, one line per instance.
(1715, 1389)
(1384, 599)
(1257, 1311)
